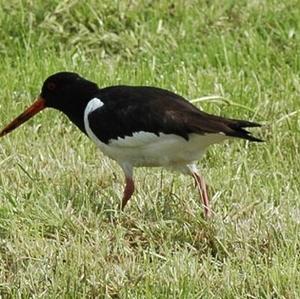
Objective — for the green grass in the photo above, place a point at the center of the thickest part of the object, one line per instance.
(60, 232)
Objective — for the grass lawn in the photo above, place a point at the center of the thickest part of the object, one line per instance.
(61, 235)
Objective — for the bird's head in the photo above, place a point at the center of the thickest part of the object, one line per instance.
(64, 91)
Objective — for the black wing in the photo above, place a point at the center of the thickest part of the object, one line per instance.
(128, 109)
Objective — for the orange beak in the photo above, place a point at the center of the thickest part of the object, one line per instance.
(36, 107)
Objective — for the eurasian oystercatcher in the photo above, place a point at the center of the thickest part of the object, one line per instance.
(137, 125)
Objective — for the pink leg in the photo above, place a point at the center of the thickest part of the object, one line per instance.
(200, 183)
(128, 191)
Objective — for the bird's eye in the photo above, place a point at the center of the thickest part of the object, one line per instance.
(51, 86)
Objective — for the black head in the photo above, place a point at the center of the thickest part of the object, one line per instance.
(65, 90)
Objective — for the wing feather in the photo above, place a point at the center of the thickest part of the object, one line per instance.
(147, 109)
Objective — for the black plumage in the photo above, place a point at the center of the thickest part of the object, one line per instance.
(130, 109)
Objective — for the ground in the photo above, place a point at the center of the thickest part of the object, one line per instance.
(61, 234)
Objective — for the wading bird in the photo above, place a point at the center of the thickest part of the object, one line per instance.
(137, 125)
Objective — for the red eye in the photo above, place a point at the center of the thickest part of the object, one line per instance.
(51, 86)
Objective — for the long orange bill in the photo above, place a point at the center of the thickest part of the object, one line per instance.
(36, 107)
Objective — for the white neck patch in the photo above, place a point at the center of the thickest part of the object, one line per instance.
(92, 105)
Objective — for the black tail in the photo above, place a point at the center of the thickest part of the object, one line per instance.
(237, 129)
(204, 123)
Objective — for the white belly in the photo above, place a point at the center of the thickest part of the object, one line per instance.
(148, 149)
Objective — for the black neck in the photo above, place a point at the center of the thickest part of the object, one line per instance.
(76, 115)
